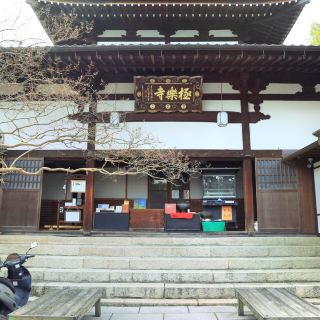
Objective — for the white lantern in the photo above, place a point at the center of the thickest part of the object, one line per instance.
(222, 116)
(222, 119)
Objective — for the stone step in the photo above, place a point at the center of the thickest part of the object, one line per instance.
(166, 251)
(175, 276)
(163, 239)
(168, 263)
(178, 291)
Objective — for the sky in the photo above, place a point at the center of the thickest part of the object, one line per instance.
(24, 26)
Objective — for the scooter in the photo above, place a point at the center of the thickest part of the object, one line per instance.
(15, 289)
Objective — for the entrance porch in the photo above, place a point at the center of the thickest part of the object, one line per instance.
(274, 195)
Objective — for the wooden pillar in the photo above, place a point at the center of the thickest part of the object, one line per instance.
(248, 194)
(245, 114)
(89, 198)
(247, 162)
(90, 163)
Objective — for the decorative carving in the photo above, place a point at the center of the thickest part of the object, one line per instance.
(168, 94)
(256, 86)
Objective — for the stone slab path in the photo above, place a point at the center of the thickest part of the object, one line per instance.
(171, 313)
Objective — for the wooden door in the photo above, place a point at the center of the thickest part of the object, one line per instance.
(277, 196)
(157, 193)
(21, 198)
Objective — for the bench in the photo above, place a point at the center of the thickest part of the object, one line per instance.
(61, 304)
(275, 304)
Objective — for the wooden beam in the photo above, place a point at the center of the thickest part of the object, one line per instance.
(205, 116)
(89, 198)
(207, 96)
(247, 162)
(248, 194)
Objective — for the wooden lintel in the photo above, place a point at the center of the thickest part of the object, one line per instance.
(205, 116)
(231, 96)
(207, 96)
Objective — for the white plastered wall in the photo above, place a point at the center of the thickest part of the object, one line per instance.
(290, 127)
(183, 135)
(192, 135)
(41, 126)
(282, 88)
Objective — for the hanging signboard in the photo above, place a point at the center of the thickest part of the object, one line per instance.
(78, 186)
(168, 94)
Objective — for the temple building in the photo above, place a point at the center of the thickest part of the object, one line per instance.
(210, 78)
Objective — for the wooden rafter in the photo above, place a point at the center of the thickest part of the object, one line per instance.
(274, 63)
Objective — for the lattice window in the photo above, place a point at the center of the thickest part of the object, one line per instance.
(274, 174)
(20, 181)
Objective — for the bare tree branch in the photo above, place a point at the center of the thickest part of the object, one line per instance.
(45, 103)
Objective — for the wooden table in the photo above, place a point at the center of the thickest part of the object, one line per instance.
(275, 304)
(61, 304)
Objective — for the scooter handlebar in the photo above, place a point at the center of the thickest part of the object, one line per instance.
(24, 258)
(21, 260)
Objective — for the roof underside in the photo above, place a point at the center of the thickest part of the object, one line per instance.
(267, 22)
(280, 63)
(311, 151)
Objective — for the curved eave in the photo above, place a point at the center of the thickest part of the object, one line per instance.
(167, 2)
(255, 21)
(281, 61)
(240, 48)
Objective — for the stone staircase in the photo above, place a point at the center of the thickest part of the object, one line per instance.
(167, 269)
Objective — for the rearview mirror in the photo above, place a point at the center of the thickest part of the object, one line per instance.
(33, 245)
